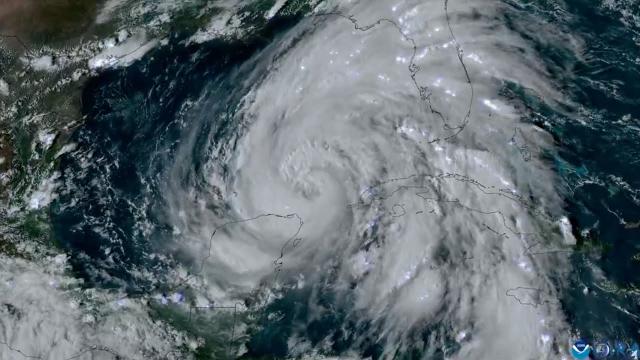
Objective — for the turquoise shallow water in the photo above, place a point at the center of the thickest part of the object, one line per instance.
(597, 135)
(599, 161)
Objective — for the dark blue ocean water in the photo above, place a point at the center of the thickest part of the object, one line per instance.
(130, 136)
(132, 112)
(599, 161)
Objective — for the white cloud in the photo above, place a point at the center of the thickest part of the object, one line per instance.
(45, 314)
(4, 88)
(446, 244)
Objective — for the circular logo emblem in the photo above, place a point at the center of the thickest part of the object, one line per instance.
(580, 350)
(601, 350)
(621, 347)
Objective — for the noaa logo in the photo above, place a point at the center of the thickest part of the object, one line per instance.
(580, 350)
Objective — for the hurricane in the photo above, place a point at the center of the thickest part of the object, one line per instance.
(369, 179)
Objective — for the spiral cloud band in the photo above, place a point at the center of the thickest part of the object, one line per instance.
(376, 160)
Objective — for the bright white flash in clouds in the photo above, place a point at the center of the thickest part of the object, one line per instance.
(447, 237)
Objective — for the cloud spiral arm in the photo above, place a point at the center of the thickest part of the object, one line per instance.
(385, 133)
